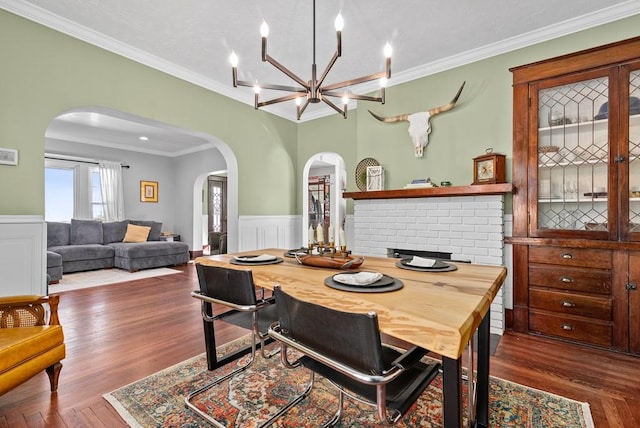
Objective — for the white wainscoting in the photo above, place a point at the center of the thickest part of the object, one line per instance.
(257, 232)
(23, 260)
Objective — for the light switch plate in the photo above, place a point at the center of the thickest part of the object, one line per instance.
(8, 156)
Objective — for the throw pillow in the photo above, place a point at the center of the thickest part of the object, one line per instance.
(156, 228)
(114, 231)
(136, 233)
(86, 232)
(57, 234)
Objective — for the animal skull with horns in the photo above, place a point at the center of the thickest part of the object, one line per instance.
(419, 124)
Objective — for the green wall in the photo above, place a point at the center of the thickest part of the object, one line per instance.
(481, 119)
(45, 73)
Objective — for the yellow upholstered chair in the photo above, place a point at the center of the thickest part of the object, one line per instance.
(31, 340)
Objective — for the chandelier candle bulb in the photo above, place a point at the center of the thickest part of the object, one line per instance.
(343, 241)
(331, 239)
(387, 65)
(264, 32)
(339, 22)
(233, 59)
(339, 26)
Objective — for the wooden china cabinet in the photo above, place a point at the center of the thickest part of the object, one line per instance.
(576, 203)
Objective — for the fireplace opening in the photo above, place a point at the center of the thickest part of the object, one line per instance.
(398, 253)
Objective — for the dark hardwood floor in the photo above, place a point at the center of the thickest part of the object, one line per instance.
(120, 333)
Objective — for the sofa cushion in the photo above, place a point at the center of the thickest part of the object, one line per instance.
(149, 249)
(136, 233)
(86, 232)
(114, 231)
(156, 228)
(146, 255)
(21, 344)
(57, 233)
(71, 253)
(53, 259)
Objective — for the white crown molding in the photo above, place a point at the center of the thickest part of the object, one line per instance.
(55, 136)
(43, 17)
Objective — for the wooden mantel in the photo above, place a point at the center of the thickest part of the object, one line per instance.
(431, 192)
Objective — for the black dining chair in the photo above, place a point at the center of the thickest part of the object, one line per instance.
(235, 290)
(346, 349)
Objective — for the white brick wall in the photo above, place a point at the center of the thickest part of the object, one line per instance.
(468, 227)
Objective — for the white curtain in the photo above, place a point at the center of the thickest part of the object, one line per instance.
(112, 189)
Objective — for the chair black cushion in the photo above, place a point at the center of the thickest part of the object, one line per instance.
(352, 339)
(327, 331)
(230, 285)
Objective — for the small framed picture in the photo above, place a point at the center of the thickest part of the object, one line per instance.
(148, 191)
(375, 178)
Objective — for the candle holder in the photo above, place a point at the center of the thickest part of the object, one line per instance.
(343, 249)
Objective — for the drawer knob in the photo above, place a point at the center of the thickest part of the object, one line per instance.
(567, 327)
(568, 304)
(567, 256)
(566, 279)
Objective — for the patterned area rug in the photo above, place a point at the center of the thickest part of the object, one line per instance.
(252, 397)
(95, 278)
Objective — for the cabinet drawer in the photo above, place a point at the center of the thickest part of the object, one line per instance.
(570, 278)
(574, 328)
(584, 257)
(570, 303)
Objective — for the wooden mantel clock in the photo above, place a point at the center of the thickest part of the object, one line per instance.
(489, 168)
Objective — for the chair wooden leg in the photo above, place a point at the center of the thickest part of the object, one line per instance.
(54, 373)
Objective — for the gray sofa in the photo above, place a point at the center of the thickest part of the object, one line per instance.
(83, 245)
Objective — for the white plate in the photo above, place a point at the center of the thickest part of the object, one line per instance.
(255, 259)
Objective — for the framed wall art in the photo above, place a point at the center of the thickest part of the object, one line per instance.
(375, 178)
(148, 191)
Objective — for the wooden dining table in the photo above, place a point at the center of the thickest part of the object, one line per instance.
(439, 311)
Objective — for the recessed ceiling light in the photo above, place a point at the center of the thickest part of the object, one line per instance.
(143, 138)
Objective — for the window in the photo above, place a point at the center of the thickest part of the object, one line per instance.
(72, 190)
(58, 194)
(97, 206)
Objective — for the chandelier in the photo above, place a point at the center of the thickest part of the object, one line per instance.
(314, 90)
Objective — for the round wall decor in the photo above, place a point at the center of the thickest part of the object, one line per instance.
(361, 172)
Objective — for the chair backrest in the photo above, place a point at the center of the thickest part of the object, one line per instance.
(350, 338)
(229, 285)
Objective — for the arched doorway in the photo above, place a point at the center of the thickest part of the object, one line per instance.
(97, 132)
(323, 181)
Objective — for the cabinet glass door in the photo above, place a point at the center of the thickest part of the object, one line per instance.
(634, 153)
(573, 156)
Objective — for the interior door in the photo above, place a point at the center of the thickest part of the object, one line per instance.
(217, 204)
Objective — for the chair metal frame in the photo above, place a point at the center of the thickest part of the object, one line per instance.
(380, 381)
(259, 339)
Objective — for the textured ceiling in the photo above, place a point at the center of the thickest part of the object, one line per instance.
(192, 39)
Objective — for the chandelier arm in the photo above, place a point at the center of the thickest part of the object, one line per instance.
(328, 68)
(356, 81)
(301, 109)
(351, 96)
(335, 107)
(295, 89)
(286, 71)
(278, 100)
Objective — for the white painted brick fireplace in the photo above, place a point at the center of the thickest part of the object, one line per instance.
(469, 227)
